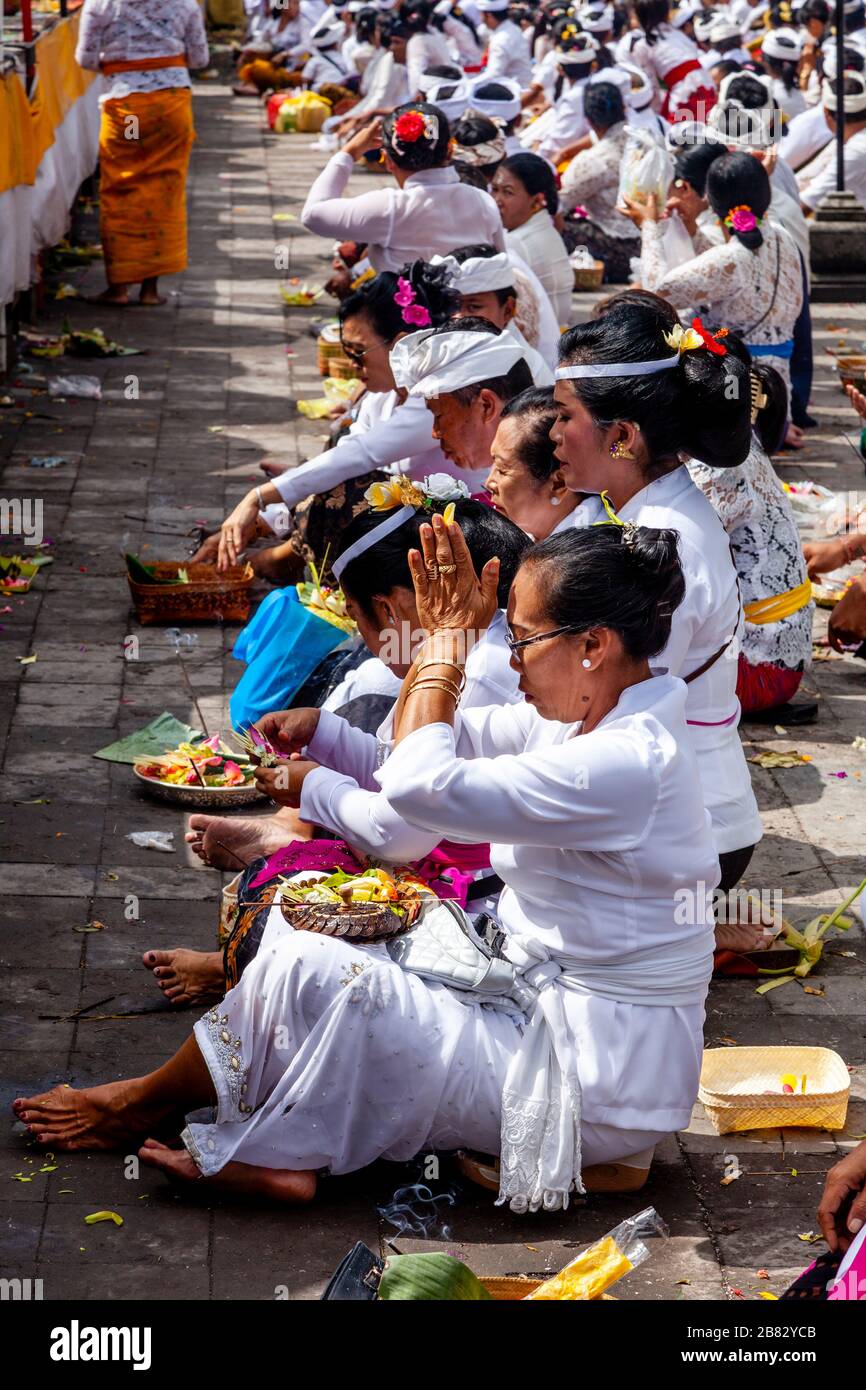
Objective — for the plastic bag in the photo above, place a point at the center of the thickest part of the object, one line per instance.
(676, 242)
(153, 839)
(87, 387)
(620, 1251)
(646, 168)
(282, 645)
(304, 113)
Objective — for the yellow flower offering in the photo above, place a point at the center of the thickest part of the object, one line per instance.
(448, 514)
(396, 492)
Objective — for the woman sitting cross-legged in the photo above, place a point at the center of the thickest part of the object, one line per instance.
(344, 799)
(329, 1055)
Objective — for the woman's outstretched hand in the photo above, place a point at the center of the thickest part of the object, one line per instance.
(448, 592)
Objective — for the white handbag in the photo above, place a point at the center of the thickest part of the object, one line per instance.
(443, 945)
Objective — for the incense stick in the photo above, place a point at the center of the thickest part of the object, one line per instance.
(192, 695)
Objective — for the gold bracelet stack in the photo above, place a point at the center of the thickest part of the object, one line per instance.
(452, 664)
(436, 683)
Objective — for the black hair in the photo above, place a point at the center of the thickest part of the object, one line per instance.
(603, 105)
(536, 176)
(473, 175)
(783, 68)
(629, 581)
(749, 91)
(475, 129)
(851, 88)
(421, 153)
(485, 251)
(687, 409)
(854, 21)
(385, 566)
(692, 163)
(663, 307)
(415, 15)
(374, 300)
(780, 15)
(772, 421)
(535, 410)
(728, 45)
(365, 24)
(446, 72)
(725, 67)
(814, 9)
(391, 27)
(651, 13)
(518, 378)
(438, 21)
(739, 179)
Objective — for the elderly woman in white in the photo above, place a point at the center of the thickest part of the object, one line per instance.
(329, 1055)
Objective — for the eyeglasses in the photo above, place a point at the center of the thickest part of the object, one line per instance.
(357, 355)
(516, 645)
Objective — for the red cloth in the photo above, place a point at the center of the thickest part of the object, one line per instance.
(764, 686)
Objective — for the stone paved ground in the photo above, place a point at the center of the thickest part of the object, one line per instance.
(216, 395)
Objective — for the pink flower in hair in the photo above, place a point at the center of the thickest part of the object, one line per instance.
(742, 219)
(417, 315)
(405, 294)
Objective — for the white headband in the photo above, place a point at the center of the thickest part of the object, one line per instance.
(453, 106)
(681, 17)
(496, 108)
(492, 6)
(596, 19)
(478, 274)
(784, 44)
(722, 29)
(328, 34)
(389, 523)
(432, 364)
(853, 102)
(589, 369)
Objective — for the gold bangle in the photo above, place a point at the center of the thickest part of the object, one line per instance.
(431, 684)
(452, 664)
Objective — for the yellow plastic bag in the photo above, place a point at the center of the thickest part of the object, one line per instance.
(305, 113)
(603, 1263)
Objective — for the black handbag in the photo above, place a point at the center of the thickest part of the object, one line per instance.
(356, 1278)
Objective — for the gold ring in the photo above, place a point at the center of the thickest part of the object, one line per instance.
(432, 570)
(447, 569)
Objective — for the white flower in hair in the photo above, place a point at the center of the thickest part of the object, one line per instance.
(441, 487)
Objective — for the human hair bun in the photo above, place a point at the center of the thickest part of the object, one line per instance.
(656, 554)
(716, 405)
(421, 148)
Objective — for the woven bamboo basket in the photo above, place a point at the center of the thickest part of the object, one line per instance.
(735, 1082)
(330, 356)
(210, 596)
(589, 277)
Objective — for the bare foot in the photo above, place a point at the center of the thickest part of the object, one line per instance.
(239, 1179)
(272, 468)
(151, 298)
(742, 936)
(280, 564)
(232, 842)
(794, 438)
(100, 1117)
(117, 295)
(187, 977)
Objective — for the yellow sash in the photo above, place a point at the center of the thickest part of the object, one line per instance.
(772, 610)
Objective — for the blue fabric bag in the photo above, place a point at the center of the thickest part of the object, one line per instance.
(282, 645)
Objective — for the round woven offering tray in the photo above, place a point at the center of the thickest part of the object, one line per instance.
(186, 795)
(356, 921)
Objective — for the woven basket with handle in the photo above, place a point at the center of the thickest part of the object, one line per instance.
(741, 1088)
(211, 595)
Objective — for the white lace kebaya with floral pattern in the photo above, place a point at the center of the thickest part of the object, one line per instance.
(123, 30)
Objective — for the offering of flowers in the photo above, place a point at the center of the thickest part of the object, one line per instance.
(207, 764)
(372, 903)
(299, 294)
(327, 603)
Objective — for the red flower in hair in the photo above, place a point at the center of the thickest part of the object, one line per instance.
(711, 339)
(409, 127)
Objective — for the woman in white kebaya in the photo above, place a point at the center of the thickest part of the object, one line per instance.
(328, 1055)
(636, 397)
(427, 211)
(527, 197)
(526, 482)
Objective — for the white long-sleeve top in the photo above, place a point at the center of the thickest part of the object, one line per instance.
(568, 122)
(707, 617)
(540, 245)
(385, 434)
(818, 178)
(343, 795)
(120, 31)
(806, 136)
(508, 54)
(432, 214)
(604, 847)
(425, 51)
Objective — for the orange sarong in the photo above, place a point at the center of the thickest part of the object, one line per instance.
(144, 145)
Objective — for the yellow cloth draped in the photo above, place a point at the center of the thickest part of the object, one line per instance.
(17, 147)
(144, 145)
(59, 81)
(773, 610)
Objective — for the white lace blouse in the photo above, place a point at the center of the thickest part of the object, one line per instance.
(765, 543)
(122, 30)
(756, 293)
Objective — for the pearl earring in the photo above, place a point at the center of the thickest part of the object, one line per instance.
(556, 501)
(586, 663)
